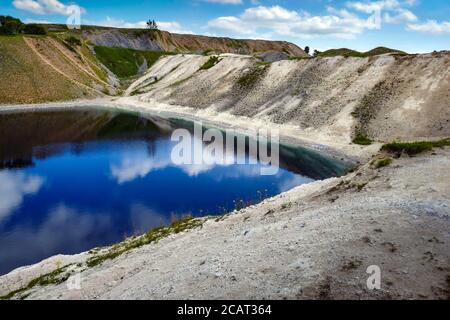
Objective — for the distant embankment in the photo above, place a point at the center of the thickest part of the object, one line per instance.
(156, 40)
(382, 97)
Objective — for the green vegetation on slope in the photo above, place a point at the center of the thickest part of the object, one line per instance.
(383, 50)
(55, 277)
(383, 163)
(27, 79)
(154, 235)
(362, 139)
(125, 63)
(341, 52)
(212, 61)
(252, 77)
(413, 148)
(353, 53)
(11, 26)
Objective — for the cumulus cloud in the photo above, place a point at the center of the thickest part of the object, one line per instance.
(171, 26)
(43, 7)
(14, 187)
(225, 1)
(135, 166)
(374, 6)
(395, 11)
(401, 16)
(280, 21)
(431, 26)
(347, 22)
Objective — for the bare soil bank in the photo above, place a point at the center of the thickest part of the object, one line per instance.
(386, 97)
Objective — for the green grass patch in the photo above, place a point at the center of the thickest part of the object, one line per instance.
(154, 235)
(74, 41)
(414, 148)
(124, 62)
(362, 139)
(383, 50)
(249, 79)
(344, 52)
(212, 61)
(383, 163)
(53, 278)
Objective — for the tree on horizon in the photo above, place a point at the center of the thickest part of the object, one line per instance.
(152, 25)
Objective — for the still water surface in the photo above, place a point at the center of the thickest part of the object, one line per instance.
(74, 180)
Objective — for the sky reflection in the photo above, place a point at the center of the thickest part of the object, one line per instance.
(71, 185)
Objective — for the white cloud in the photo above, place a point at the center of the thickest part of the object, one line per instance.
(431, 26)
(275, 13)
(394, 10)
(402, 16)
(225, 1)
(135, 166)
(14, 187)
(280, 21)
(374, 6)
(171, 26)
(43, 7)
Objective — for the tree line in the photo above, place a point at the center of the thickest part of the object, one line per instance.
(11, 26)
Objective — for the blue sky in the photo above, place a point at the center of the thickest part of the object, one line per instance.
(411, 25)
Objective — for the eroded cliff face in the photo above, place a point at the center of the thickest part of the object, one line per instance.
(385, 97)
(172, 42)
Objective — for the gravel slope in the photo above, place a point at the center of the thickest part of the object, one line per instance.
(386, 97)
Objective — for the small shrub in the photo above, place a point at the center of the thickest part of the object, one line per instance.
(414, 148)
(362, 139)
(383, 163)
(212, 61)
(34, 29)
(250, 78)
(74, 41)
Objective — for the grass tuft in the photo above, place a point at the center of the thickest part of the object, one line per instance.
(414, 148)
(249, 79)
(383, 163)
(212, 61)
(362, 139)
(55, 277)
(124, 62)
(177, 226)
